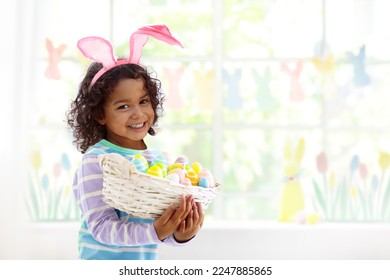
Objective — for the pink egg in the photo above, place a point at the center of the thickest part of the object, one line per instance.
(207, 174)
(186, 182)
(180, 172)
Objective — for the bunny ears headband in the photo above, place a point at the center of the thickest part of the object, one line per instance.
(100, 50)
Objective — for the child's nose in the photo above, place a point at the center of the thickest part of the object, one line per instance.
(136, 112)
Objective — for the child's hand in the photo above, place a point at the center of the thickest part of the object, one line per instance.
(191, 224)
(172, 218)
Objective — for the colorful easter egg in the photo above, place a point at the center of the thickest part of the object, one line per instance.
(149, 155)
(175, 165)
(155, 170)
(173, 177)
(140, 163)
(203, 182)
(182, 159)
(186, 182)
(196, 166)
(163, 167)
(180, 172)
(207, 174)
(188, 168)
(193, 177)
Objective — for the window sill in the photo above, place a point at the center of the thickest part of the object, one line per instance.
(275, 241)
(220, 240)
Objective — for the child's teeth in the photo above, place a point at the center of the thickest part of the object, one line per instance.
(137, 125)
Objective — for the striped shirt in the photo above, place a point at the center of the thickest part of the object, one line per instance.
(107, 233)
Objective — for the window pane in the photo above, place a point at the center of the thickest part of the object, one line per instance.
(272, 93)
(49, 195)
(355, 185)
(189, 21)
(65, 22)
(350, 102)
(264, 28)
(363, 22)
(252, 76)
(52, 96)
(189, 91)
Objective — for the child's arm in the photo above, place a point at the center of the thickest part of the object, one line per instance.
(102, 220)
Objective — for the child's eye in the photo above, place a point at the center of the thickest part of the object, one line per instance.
(123, 107)
(144, 101)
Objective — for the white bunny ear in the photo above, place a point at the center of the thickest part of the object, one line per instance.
(97, 49)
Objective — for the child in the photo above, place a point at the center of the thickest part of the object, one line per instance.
(118, 103)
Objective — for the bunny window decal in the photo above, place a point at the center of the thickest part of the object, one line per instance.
(52, 70)
(292, 199)
(360, 78)
(100, 50)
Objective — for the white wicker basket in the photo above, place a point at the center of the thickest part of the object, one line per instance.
(141, 194)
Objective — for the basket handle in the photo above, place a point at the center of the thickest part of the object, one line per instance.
(117, 164)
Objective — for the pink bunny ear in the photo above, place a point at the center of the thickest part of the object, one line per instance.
(139, 38)
(97, 49)
(100, 50)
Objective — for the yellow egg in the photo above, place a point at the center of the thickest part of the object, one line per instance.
(163, 167)
(155, 170)
(193, 177)
(196, 166)
(175, 165)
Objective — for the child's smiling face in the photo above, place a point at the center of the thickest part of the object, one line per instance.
(128, 114)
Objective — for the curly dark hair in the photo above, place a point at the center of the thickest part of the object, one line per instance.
(88, 105)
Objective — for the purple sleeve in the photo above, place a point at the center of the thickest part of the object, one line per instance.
(102, 220)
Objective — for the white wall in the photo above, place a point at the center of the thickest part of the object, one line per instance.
(8, 166)
(236, 241)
